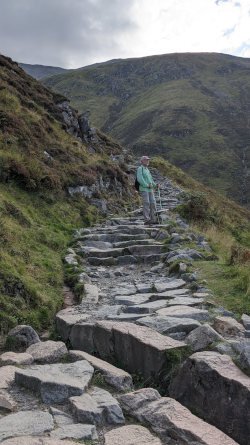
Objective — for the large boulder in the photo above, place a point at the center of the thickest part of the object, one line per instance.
(47, 351)
(218, 391)
(56, 383)
(202, 336)
(22, 336)
(25, 423)
(97, 407)
(170, 420)
(228, 326)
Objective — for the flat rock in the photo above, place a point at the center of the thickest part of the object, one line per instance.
(25, 423)
(15, 358)
(7, 375)
(218, 389)
(130, 289)
(7, 402)
(202, 336)
(132, 299)
(170, 294)
(47, 351)
(56, 383)
(183, 311)
(106, 310)
(169, 419)
(91, 293)
(75, 431)
(24, 335)
(146, 308)
(167, 325)
(244, 358)
(131, 435)
(38, 440)
(162, 286)
(185, 301)
(144, 287)
(228, 326)
(116, 377)
(66, 318)
(130, 317)
(97, 407)
(246, 321)
(60, 417)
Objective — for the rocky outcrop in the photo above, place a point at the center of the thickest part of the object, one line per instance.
(169, 419)
(212, 385)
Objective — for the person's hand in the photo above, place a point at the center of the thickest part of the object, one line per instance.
(157, 186)
(150, 186)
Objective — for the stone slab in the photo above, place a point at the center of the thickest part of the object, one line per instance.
(182, 311)
(47, 351)
(97, 407)
(228, 326)
(162, 286)
(166, 325)
(219, 391)
(131, 435)
(185, 301)
(56, 383)
(120, 379)
(146, 308)
(91, 293)
(169, 419)
(66, 318)
(15, 358)
(25, 423)
(7, 375)
(202, 336)
(60, 417)
(37, 440)
(75, 431)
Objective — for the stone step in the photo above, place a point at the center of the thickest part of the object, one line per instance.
(125, 259)
(138, 349)
(168, 325)
(146, 308)
(135, 250)
(56, 383)
(219, 391)
(170, 420)
(131, 435)
(150, 249)
(132, 242)
(97, 407)
(99, 253)
(115, 237)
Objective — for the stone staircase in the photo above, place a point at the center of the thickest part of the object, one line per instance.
(137, 325)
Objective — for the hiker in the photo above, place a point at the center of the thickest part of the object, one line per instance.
(147, 186)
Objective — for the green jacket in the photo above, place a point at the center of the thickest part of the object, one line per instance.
(145, 179)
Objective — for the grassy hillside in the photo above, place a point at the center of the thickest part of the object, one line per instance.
(227, 227)
(192, 109)
(39, 160)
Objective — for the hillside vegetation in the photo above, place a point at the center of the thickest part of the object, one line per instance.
(192, 109)
(39, 160)
(226, 225)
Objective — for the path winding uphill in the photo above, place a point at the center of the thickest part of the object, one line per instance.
(138, 320)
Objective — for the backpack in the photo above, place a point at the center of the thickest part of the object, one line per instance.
(137, 184)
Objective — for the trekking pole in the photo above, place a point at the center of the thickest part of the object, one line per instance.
(159, 195)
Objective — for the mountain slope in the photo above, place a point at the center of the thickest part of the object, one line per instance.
(40, 71)
(192, 109)
(40, 162)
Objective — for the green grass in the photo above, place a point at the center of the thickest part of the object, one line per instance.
(37, 214)
(189, 108)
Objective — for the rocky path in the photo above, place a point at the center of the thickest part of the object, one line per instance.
(143, 321)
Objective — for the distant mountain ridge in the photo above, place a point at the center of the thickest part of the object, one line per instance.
(42, 71)
(191, 108)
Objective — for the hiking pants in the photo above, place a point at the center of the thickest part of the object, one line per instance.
(148, 203)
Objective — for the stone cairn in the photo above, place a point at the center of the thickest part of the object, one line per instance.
(146, 358)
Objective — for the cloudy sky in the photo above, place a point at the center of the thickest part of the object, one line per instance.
(74, 33)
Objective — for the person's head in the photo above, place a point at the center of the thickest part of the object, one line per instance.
(145, 161)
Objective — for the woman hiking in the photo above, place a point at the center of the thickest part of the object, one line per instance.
(147, 186)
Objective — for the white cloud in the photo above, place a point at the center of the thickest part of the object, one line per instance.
(73, 33)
